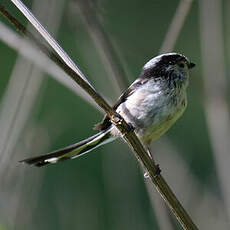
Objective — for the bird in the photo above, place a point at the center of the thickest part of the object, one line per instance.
(150, 105)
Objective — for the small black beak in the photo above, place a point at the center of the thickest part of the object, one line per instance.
(191, 65)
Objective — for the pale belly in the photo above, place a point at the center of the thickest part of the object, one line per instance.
(151, 120)
(159, 127)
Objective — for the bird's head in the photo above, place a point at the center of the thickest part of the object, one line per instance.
(172, 68)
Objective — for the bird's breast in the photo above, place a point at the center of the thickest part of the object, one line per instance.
(152, 110)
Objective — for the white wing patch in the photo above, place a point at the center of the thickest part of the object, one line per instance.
(52, 160)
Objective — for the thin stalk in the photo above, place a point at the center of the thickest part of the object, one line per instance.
(176, 26)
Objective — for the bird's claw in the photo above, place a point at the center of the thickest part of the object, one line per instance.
(130, 128)
(157, 172)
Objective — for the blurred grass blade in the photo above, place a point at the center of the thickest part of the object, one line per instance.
(204, 204)
(103, 43)
(176, 25)
(215, 83)
(16, 109)
(30, 52)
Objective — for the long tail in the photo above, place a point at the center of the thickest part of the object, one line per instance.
(72, 151)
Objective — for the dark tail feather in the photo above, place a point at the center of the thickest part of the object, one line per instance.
(72, 151)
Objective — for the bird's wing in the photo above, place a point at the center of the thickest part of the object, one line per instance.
(105, 123)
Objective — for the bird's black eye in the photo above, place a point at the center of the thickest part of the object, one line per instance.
(181, 64)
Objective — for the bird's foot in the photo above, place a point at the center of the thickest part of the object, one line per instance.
(158, 171)
(156, 174)
(130, 128)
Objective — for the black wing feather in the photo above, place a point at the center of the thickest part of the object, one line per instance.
(106, 123)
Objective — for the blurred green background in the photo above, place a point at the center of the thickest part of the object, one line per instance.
(105, 189)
